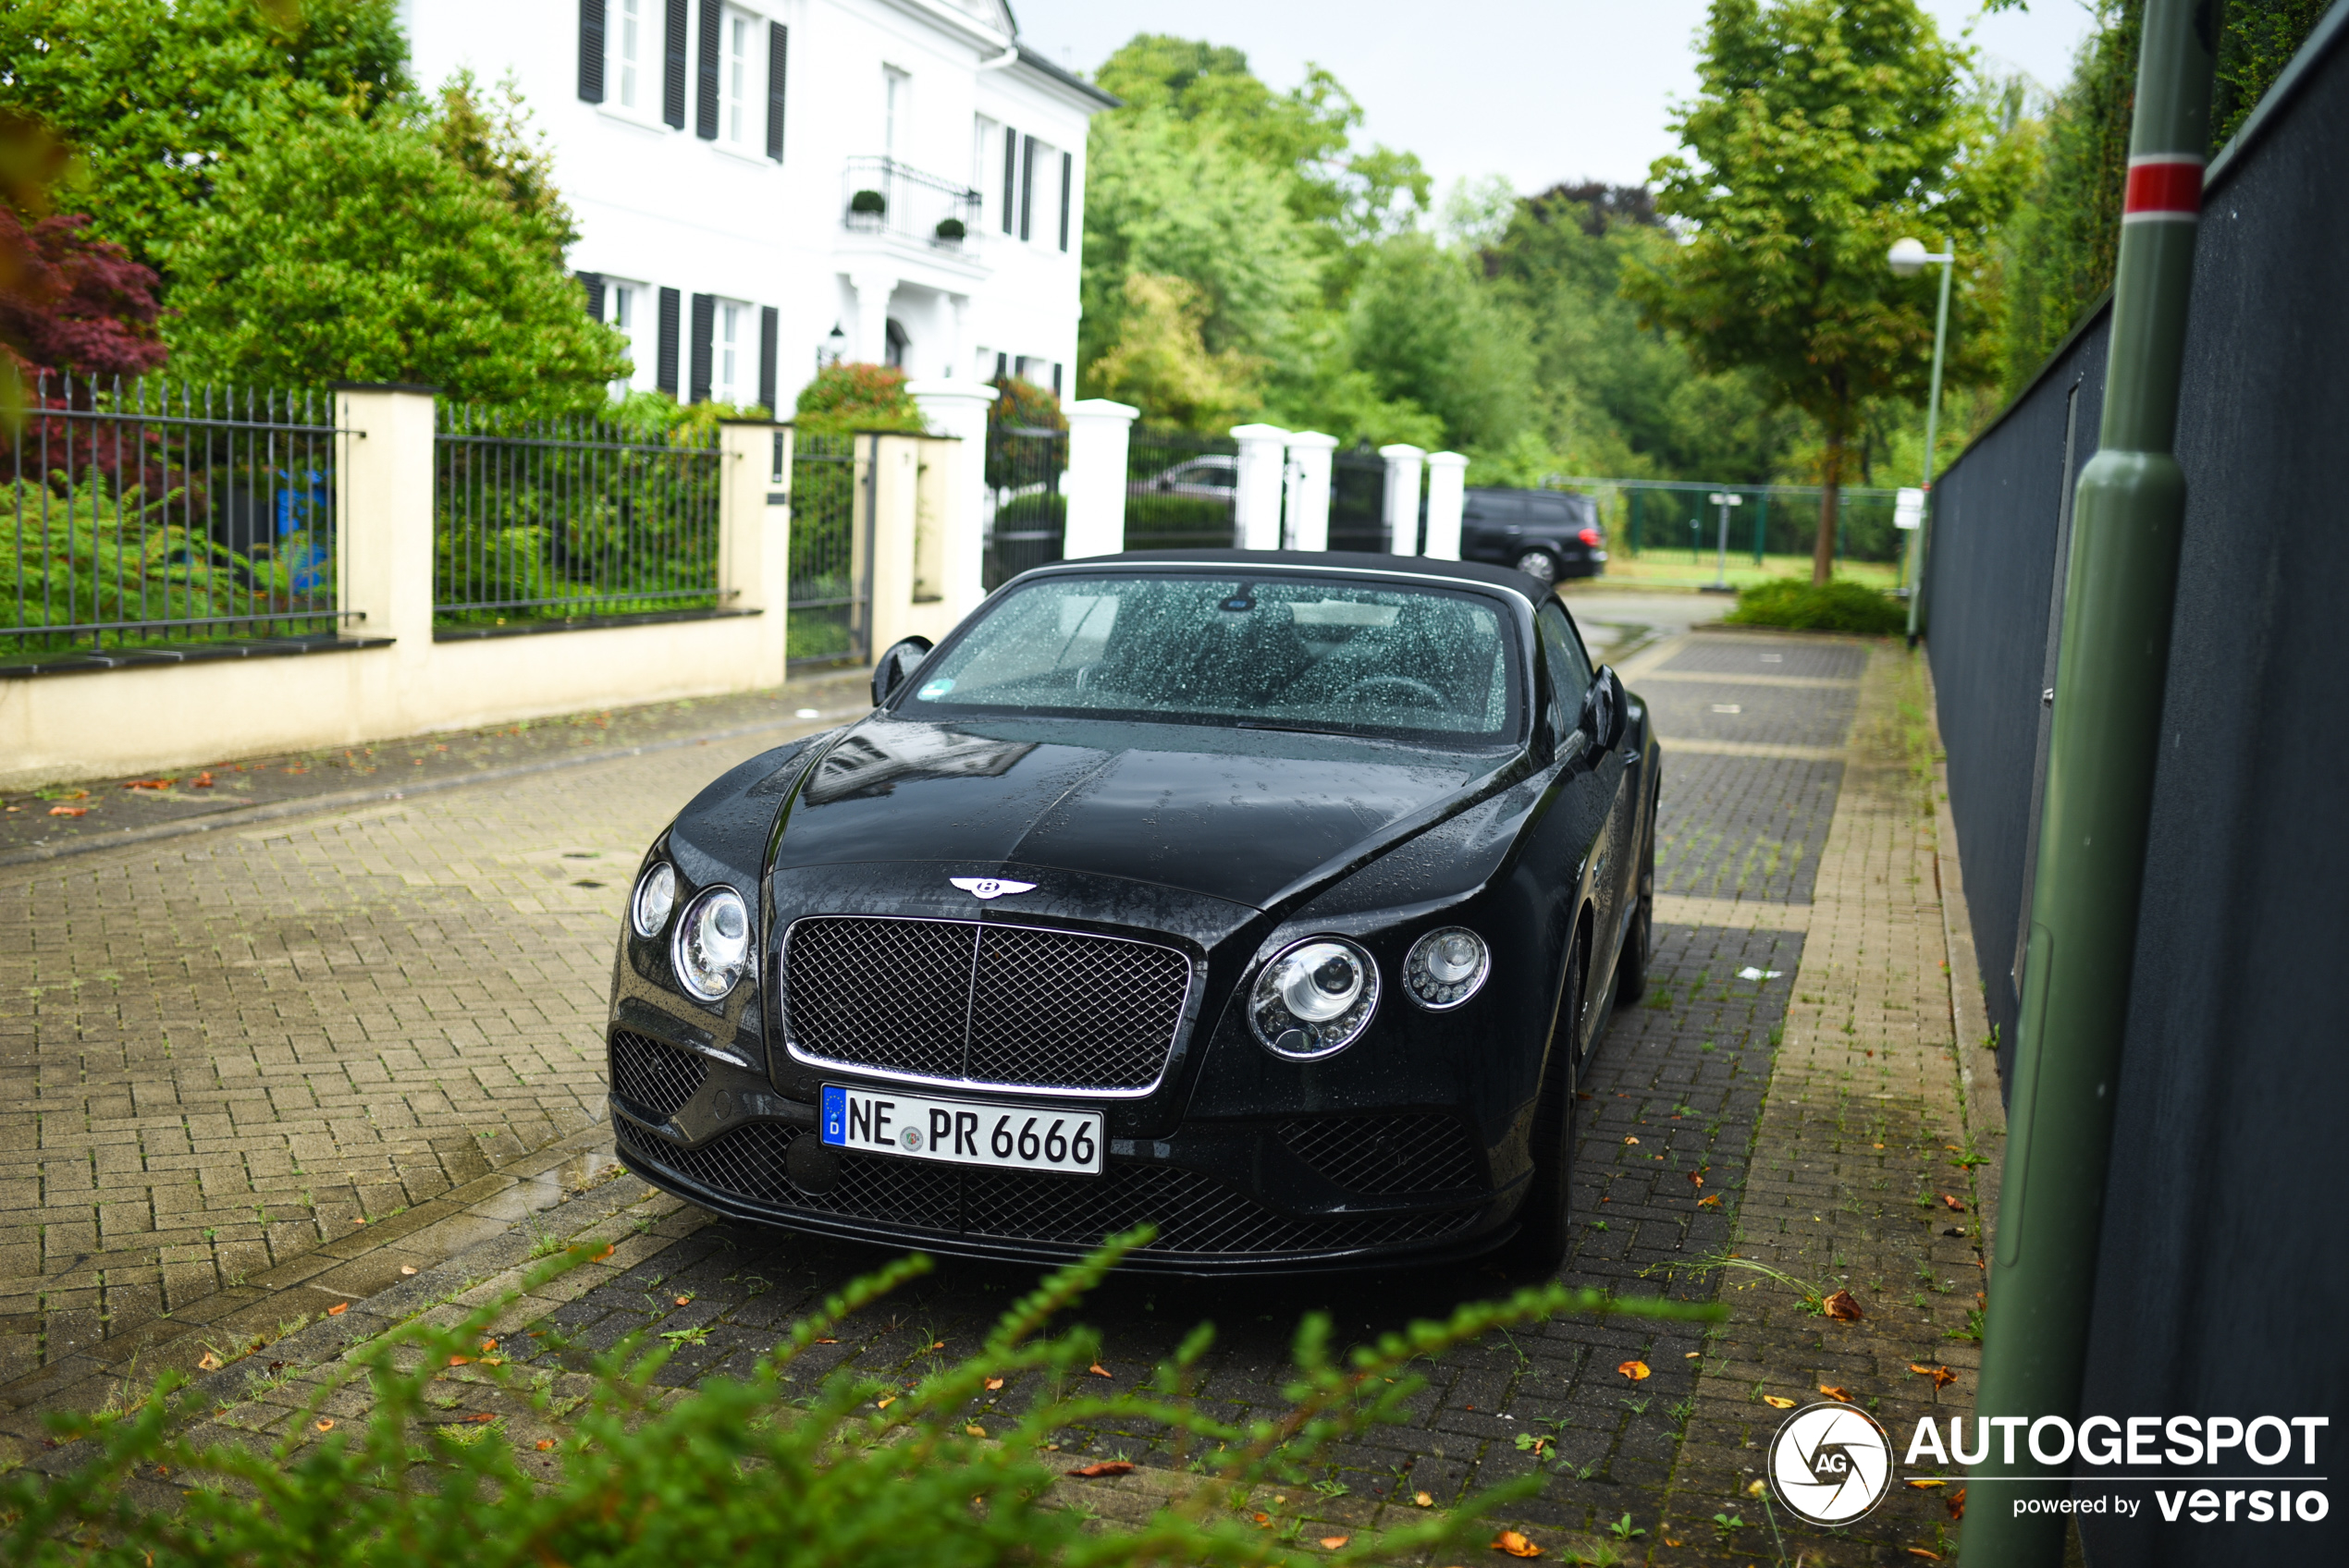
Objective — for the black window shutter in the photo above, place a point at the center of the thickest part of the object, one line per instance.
(770, 329)
(665, 362)
(1026, 186)
(1003, 364)
(778, 56)
(593, 282)
(713, 18)
(672, 68)
(1011, 180)
(1068, 174)
(705, 328)
(1056, 378)
(591, 50)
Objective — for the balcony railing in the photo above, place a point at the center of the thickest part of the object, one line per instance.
(884, 196)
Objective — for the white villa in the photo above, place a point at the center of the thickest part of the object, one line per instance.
(763, 185)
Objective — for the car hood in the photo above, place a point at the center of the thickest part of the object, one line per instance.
(1238, 814)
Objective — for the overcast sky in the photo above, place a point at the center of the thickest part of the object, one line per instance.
(1536, 90)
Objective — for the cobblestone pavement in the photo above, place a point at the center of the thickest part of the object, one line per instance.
(219, 1051)
(1819, 1104)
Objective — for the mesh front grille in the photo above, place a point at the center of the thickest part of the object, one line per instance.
(1194, 1213)
(1378, 1155)
(983, 1004)
(652, 1076)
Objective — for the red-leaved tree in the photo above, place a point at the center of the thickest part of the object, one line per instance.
(71, 304)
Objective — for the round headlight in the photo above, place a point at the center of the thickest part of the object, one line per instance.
(713, 944)
(656, 896)
(1314, 999)
(1445, 968)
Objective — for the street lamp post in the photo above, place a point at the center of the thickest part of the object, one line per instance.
(1908, 258)
(1724, 500)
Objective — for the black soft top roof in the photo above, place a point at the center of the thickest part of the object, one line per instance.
(1518, 582)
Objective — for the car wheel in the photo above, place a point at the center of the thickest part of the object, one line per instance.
(1543, 1225)
(1539, 564)
(1632, 967)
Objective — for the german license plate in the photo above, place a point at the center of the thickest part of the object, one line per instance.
(1006, 1137)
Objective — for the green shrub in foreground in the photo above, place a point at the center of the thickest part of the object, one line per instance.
(742, 1469)
(1840, 606)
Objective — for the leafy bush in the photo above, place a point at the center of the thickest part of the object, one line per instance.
(1840, 606)
(753, 1468)
(950, 228)
(871, 201)
(848, 397)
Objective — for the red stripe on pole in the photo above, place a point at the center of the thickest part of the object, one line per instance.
(2164, 187)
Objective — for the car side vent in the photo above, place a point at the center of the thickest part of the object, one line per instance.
(1428, 1152)
(654, 1078)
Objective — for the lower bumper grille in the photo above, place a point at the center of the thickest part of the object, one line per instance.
(655, 1078)
(1195, 1214)
(1426, 1152)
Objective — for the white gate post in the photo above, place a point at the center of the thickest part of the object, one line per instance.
(1310, 460)
(1447, 484)
(1094, 488)
(754, 529)
(1402, 497)
(959, 408)
(1256, 501)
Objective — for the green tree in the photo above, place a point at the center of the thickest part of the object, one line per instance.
(348, 248)
(152, 96)
(1823, 130)
(1427, 333)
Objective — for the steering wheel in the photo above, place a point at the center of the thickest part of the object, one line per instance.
(1428, 695)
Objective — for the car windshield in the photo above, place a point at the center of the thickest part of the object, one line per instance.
(1279, 652)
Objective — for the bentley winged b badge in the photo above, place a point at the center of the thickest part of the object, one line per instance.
(985, 887)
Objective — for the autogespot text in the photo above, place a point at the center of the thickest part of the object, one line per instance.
(2161, 1453)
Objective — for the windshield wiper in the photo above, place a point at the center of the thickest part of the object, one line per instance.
(1301, 728)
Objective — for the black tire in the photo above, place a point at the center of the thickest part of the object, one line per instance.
(1539, 564)
(1639, 943)
(1544, 1222)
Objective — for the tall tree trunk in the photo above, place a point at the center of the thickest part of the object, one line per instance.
(1830, 483)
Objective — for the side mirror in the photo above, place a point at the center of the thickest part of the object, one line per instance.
(897, 666)
(1602, 710)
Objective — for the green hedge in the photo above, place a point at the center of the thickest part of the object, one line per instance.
(840, 1471)
(1840, 606)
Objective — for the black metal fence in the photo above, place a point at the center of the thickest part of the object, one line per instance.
(155, 514)
(1358, 500)
(1027, 509)
(553, 520)
(1179, 490)
(1657, 517)
(2211, 1293)
(831, 581)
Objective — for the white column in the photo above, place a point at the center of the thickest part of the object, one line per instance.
(1308, 490)
(1402, 497)
(754, 529)
(1095, 484)
(957, 314)
(958, 409)
(869, 341)
(1256, 503)
(1446, 481)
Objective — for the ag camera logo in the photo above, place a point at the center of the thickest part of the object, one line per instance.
(1830, 1463)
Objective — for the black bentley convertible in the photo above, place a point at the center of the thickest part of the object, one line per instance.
(1274, 899)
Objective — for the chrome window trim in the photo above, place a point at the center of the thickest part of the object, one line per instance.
(1185, 1021)
(1104, 568)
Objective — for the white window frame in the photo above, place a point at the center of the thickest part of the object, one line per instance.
(627, 305)
(638, 77)
(897, 108)
(733, 352)
(737, 57)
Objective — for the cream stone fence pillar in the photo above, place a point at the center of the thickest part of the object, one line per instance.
(1256, 499)
(1099, 432)
(958, 409)
(384, 525)
(754, 531)
(1402, 509)
(1446, 491)
(1309, 455)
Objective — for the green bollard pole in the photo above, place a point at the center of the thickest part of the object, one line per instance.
(2118, 602)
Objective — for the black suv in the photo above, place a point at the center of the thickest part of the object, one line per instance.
(1545, 533)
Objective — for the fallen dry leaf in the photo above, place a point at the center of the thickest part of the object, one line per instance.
(210, 1363)
(1775, 1402)
(546, 1443)
(885, 1402)
(975, 1430)
(938, 1345)
(150, 783)
(1691, 1355)
(338, 1309)
(201, 781)
(484, 1419)
(1710, 1200)
(1957, 1203)
(460, 1361)
(1098, 1370)
(1630, 1140)
(489, 1344)
(1515, 1545)
(360, 1221)
(1922, 1482)
(407, 1268)
(325, 1422)
(1263, 1521)
(1697, 1177)
(828, 1341)
(1671, 1540)
(1942, 1377)
(69, 811)
(1955, 1503)
(685, 1301)
(493, 1361)
(1842, 1307)
(598, 1257)
(1925, 1552)
(1330, 1543)
(994, 1383)
(1421, 1500)
(1833, 1392)
(1634, 1369)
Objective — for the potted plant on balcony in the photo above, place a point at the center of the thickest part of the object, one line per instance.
(950, 232)
(867, 207)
